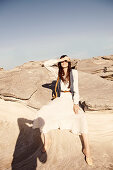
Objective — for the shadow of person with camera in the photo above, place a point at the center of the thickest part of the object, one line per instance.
(28, 146)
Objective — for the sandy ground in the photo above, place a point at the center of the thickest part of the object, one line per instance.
(20, 145)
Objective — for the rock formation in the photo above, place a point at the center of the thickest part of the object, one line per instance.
(28, 84)
(20, 145)
(102, 66)
(26, 88)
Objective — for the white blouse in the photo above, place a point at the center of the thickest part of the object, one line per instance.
(64, 86)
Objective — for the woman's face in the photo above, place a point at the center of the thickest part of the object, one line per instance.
(64, 64)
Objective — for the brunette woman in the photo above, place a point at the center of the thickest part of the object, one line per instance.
(64, 111)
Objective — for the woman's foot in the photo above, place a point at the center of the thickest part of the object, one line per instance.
(87, 157)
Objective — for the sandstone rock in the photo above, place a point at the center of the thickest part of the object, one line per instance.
(20, 145)
(96, 92)
(33, 84)
(101, 65)
(23, 83)
(29, 86)
(108, 57)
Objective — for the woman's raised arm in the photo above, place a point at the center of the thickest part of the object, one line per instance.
(49, 63)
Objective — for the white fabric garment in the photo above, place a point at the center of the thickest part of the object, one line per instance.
(73, 78)
(64, 87)
(59, 113)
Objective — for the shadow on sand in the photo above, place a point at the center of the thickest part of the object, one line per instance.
(28, 147)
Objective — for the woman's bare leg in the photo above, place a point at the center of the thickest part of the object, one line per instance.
(86, 144)
(86, 149)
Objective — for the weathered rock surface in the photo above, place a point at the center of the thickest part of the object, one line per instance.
(96, 92)
(20, 145)
(102, 66)
(33, 84)
(29, 86)
(24, 84)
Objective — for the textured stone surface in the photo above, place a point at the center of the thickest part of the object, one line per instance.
(29, 86)
(96, 92)
(25, 84)
(102, 66)
(33, 84)
(20, 145)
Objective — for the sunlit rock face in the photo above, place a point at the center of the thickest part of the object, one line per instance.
(20, 145)
(102, 66)
(26, 88)
(33, 84)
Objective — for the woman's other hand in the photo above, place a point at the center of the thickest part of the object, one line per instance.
(75, 108)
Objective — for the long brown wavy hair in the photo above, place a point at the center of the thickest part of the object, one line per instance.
(61, 71)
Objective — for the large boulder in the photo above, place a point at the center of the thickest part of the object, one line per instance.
(101, 65)
(20, 144)
(33, 84)
(24, 84)
(96, 93)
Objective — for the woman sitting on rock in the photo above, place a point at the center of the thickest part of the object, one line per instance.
(64, 111)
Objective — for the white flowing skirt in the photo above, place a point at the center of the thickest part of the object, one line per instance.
(59, 114)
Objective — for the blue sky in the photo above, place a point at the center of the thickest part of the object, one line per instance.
(44, 29)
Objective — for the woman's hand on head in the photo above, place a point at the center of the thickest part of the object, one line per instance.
(76, 108)
(65, 58)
